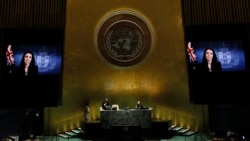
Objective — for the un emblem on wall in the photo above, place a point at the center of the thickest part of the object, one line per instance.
(124, 38)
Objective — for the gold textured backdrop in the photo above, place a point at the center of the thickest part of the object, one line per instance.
(159, 81)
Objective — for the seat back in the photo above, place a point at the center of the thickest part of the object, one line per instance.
(115, 107)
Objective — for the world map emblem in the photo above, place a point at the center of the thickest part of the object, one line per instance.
(124, 39)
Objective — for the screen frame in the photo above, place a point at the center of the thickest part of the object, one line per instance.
(214, 88)
(50, 96)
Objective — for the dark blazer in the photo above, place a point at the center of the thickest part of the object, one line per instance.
(216, 67)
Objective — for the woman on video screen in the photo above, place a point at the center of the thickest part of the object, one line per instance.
(25, 75)
(209, 62)
(27, 66)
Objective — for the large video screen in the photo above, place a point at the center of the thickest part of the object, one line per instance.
(31, 67)
(217, 60)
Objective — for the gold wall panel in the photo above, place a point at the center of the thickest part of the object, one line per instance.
(159, 81)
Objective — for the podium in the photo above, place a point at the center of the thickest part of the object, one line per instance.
(128, 118)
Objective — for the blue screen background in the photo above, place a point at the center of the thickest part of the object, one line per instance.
(229, 53)
(48, 57)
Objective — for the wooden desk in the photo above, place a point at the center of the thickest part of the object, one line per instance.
(130, 117)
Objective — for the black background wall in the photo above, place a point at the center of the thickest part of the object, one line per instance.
(12, 121)
(233, 118)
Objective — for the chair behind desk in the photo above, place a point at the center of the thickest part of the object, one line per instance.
(115, 107)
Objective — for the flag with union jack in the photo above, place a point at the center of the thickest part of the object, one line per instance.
(10, 58)
(191, 53)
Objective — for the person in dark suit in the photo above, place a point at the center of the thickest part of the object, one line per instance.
(36, 125)
(26, 125)
(209, 62)
(138, 105)
(105, 104)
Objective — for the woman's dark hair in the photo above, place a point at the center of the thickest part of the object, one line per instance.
(216, 65)
(32, 63)
(214, 59)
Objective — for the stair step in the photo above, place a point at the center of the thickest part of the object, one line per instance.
(176, 128)
(63, 135)
(171, 127)
(70, 133)
(77, 131)
(182, 131)
(189, 133)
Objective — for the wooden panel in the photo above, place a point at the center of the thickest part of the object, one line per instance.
(197, 12)
(32, 14)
